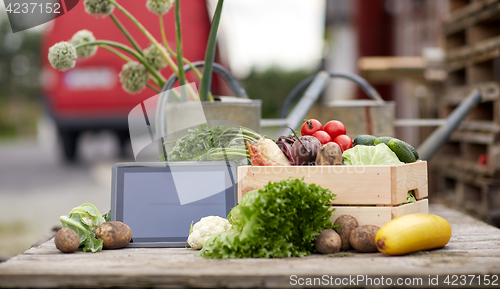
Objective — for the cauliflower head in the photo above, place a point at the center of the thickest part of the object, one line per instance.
(204, 228)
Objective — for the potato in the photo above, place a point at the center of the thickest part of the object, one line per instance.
(363, 239)
(66, 240)
(328, 242)
(329, 154)
(347, 224)
(114, 235)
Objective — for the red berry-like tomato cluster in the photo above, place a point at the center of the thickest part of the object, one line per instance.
(333, 130)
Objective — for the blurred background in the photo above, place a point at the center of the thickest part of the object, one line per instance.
(61, 132)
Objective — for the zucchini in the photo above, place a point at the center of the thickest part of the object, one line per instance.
(413, 233)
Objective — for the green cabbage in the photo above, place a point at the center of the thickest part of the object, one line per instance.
(361, 155)
(281, 220)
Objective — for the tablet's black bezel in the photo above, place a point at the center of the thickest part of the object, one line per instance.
(117, 196)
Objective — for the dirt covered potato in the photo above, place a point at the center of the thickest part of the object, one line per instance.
(114, 234)
(329, 154)
(347, 224)
(328, 242)
(363, 239)
(66, 240)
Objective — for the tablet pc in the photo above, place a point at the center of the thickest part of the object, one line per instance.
(159, 201)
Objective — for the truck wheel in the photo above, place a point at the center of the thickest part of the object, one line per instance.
(123, 142)
(69, 141)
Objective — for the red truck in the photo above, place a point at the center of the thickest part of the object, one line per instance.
(89, 96)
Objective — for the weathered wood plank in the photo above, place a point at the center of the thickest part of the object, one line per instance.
(473, 249)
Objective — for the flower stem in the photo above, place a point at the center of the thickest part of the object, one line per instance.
(210, 53)
(169, 49)
(153, 88)
(139, 57)
(116, 52)
(164, 36)
(126, 33)
(178, 40)
(148, 35)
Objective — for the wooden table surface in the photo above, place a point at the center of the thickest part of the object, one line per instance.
(473, 249)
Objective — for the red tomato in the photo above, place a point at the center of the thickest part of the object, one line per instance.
(344, 141)
(335, 128)
(483, 160)
(311, 126)
(322, 136)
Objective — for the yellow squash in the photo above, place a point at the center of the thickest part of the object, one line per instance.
(412, 233)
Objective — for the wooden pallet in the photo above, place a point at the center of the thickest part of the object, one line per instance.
(472, 40)
(469, 192)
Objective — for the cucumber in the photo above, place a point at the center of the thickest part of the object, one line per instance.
(414, 151)
(364, 139)
(402, 150)
(383, 139)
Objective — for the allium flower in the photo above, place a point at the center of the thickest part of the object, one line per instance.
(98, 7)
(154, 57)
(159, 6)
(62, 56)
(84, 36)
(133, 77)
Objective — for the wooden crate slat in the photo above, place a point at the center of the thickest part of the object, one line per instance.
(472, 54)
(378, 216)
(413, 177)
(469, 15)
(480, 125)
(484, 138)
(353, 185)
(455, 94)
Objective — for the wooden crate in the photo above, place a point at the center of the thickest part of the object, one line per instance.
(374, 194)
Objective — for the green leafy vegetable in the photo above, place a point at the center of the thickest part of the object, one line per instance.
(380, 154)
(217, 144)
(84, 219)
(281, 220)
(410, 197)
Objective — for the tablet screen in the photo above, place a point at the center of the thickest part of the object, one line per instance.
(159, 203)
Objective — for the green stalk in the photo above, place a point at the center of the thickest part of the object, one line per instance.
(148, 35)
(163, 35)
(154, 80)
(116, 52)
(178, 40)
(128, 59)
(165, 43)
(126, 33)
(65, 219)
(210, 54)
(139, 57)
(152, 88)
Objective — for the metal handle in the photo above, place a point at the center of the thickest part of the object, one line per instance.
(300, 110)
(219, 69)
(431, 145)
(365, 86)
